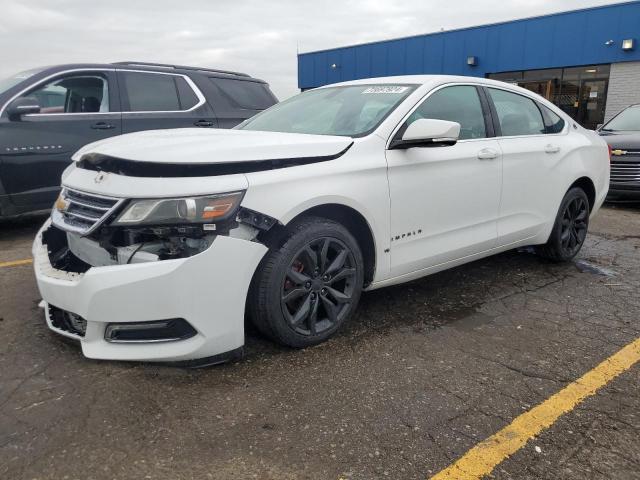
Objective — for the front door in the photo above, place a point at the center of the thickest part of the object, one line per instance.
(76, 109)
(445, 200)
(591, 103)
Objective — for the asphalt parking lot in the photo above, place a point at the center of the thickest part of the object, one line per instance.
(424, 372)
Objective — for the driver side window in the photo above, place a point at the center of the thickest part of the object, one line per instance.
(459, 103)
(86, 93)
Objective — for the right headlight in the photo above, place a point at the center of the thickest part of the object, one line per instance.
(163, 211)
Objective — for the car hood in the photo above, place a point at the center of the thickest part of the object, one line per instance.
(622, 140)
(214, 146)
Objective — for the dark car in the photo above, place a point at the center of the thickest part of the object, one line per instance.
(622, 133)
(46, 114)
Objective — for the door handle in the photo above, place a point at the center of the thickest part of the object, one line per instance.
(102, 126)
(552, 148)
(487, 154)
(203, 123)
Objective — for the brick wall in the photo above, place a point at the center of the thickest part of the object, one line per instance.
(624, 87)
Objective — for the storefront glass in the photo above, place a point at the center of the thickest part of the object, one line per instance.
(579, 91)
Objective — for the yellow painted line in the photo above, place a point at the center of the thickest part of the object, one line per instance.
(16, 263)
(484, 457)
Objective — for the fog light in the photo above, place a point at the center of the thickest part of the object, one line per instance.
(149, 332)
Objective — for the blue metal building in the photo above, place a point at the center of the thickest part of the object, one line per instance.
(586, 61)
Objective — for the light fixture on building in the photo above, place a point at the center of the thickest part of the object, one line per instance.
(628, 44)
(609, 42)
(591, 70)
(334, 66)
(472, 61)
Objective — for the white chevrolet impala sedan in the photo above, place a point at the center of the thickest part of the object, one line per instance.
(163, 242)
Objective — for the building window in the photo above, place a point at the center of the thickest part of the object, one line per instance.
(579, 91)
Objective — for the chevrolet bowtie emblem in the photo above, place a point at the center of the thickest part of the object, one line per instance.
(61, 204)
(618, 152)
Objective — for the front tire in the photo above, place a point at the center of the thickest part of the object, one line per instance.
(309, 285)
(570, 228)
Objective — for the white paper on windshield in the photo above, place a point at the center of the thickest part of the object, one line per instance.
(385, 89)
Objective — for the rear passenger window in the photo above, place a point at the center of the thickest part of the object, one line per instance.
(555, 124)
(518, 115)
(459, 104)
(244, 94)
(151, 92)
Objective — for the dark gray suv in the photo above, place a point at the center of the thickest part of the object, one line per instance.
(46, 114)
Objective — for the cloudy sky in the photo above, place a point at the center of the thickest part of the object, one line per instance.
(259, 37)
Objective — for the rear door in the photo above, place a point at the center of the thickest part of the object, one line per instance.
(157, 100)
(533, 143)
(76, 108)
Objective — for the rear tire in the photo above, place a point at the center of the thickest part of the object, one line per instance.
(308, 285)
(569, 229)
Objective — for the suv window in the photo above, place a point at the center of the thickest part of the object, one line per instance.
(86, 93)
(555, 124)
(157, 92)
(186, 94)
(244, 94)
(458, 103)
(517, 114)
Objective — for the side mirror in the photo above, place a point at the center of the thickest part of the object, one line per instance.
(427, 132)
(599, 127)
(23, 106)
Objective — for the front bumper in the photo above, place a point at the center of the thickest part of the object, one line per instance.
(208, 290)
(625, 191)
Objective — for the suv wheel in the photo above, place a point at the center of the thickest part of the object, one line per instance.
(307, 288)
(570, 228)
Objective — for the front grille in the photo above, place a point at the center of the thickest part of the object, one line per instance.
(82, 212)
(67, 321)
(626, 168)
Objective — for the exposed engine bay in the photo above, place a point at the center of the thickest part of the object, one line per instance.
(117, 245)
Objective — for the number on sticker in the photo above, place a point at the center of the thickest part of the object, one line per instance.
(385, 89)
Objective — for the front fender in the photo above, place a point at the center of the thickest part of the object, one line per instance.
(357, 180)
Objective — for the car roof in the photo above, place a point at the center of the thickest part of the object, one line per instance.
(151, 67)
(432, 81)
(424, 80)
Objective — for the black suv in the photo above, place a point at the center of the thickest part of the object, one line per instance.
(47, 114)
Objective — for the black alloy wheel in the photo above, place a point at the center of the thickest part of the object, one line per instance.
(308, 284)
(570, 228)
(574, 226)
(319, 286)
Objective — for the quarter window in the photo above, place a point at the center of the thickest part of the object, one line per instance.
(555, 124)
(459, 104)
(75, 94)
(518, 115)
(156, 92)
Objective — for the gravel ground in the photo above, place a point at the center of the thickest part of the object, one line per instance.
(424, 372)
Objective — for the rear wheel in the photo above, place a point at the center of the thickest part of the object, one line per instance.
(307, 288)
(570, 228)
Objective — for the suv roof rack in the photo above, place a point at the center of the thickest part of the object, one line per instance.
(182, 67)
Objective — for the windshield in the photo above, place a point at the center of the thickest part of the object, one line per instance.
(7, 83)
(628, 120)
(350, 111)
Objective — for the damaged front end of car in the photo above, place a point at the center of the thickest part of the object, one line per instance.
(89, 230)
(150, 279)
